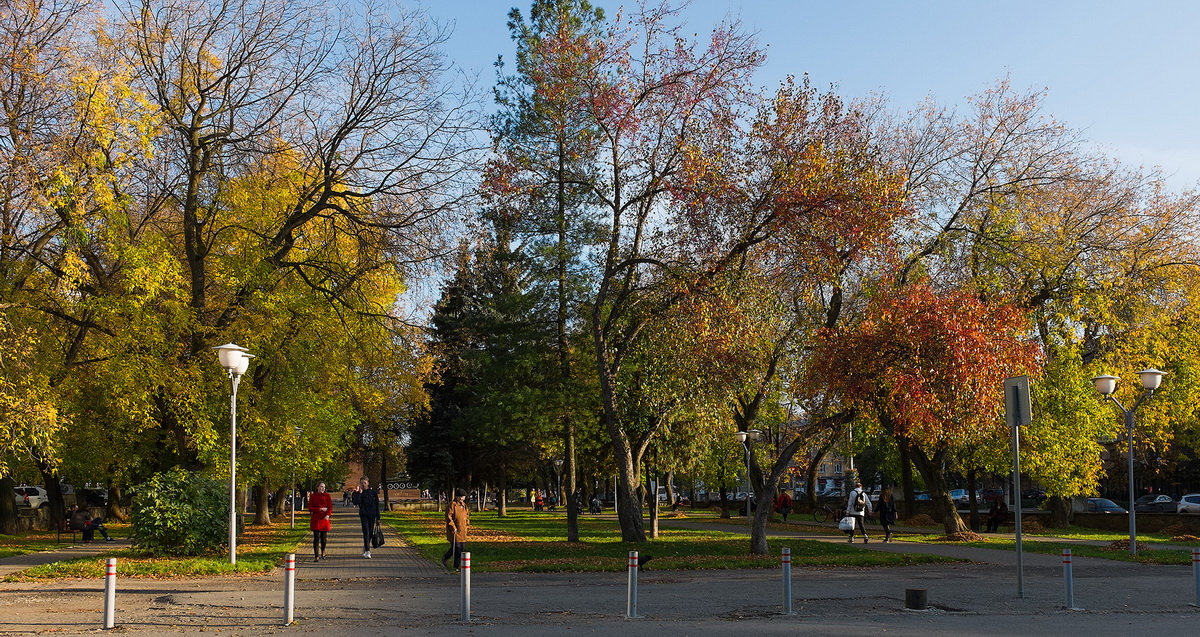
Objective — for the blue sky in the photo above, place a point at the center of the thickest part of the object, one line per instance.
(1126, 73)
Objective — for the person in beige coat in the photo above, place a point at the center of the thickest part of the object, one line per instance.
(458, 522)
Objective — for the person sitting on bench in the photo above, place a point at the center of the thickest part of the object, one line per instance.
(81, 520)
(997, 515)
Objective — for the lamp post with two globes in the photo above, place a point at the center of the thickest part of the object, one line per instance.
(1106, 385)
(236, 361)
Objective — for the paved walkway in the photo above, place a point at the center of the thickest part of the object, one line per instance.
(344, 558)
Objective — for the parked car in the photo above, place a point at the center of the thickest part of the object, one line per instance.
(94, 497)
(990, 495)
(962, 497)
(1189, 503)
(1103, 505)
(921, 495)
(1035, 495)
(32, 497)
(1155, 503)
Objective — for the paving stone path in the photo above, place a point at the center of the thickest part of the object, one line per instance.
(344, 558)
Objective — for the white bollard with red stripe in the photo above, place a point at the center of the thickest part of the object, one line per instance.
(465, 579)
(1196, 573)
(1068, 580)
(110, 593)
(786, 561)
(289, 590)
(631, 597)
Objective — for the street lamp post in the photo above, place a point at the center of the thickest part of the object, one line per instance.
(747, 437)
(235, 360)
(1106, 385)
(295, 452)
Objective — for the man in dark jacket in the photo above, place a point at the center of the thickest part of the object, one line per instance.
(367, 502)
(81, 520)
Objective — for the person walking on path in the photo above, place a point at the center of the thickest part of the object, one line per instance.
(887, 513)
(367, 501)
(320, 507)
(783, 504)
(458, 521)
(858, 506)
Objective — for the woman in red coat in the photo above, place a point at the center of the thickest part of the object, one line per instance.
(320, 505)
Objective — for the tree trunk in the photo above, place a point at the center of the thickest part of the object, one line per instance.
(670, 488)
(971, 488)
(262, 515)
(115, 511)
(502, 494)
(1060, 512)
(53, 486)
(281, 496)
(906, 477)
(811, 476)
(629, 504)
(383, 476)
(629, 508)
(8, 506)
(724, 502)
(653, 509)
(933, 472)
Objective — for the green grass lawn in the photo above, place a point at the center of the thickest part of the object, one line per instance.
(1055, 546)
(1083, 533)
(536, 542)
(259, 550)
(38, 541)
(11, 545)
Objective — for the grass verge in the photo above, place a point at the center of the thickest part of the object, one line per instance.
(39, 541)
(1084, 533)
(1055, 547)
(260, 549)
(535, 542)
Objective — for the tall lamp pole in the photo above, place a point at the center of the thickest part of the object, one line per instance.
(747, 437)
(236, 361)
(1106, 385)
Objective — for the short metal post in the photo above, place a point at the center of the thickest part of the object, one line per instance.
(786, 559)
(1068, 580)
(465, 579)
(289, 590)
(110, 593)
(1196, 573)
(631, 599)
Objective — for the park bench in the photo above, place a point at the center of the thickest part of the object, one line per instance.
(62, 527)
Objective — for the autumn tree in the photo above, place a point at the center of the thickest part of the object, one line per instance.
(1014, 205)
(928, 363)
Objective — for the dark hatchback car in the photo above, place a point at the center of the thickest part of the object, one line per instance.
(1103, 505)
(1155, 503)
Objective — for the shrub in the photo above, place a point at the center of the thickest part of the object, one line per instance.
(177, 512)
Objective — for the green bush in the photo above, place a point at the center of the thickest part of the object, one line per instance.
(177, 512)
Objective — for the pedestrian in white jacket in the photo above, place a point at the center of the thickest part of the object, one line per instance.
(858, 506)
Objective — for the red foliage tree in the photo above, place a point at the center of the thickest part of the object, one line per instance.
(931, 365)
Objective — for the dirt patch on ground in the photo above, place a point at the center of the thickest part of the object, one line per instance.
(920, 519)
(961, 536)
(1122, 546)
